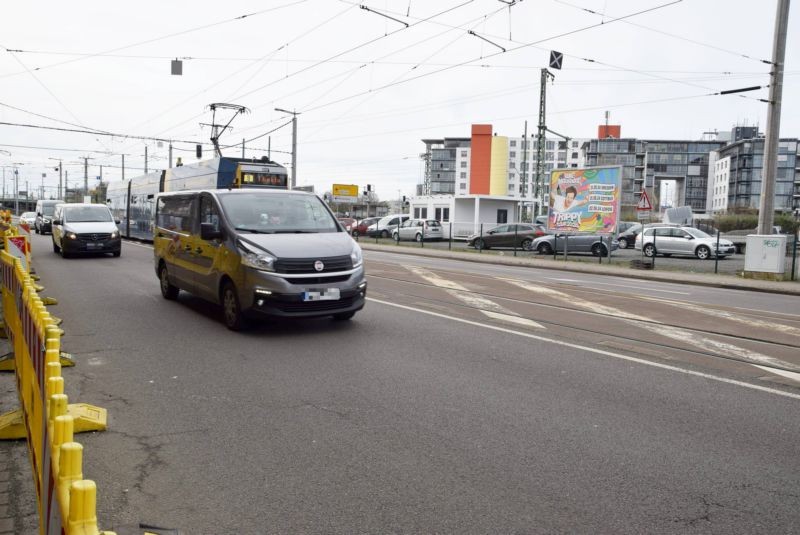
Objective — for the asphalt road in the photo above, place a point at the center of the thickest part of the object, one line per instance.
(455, 402)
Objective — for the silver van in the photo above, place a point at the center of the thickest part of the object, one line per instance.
(258, 253)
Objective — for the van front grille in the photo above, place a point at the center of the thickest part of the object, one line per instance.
(95, 236)
(293, 266)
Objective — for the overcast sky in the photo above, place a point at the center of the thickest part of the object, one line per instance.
(368, 88)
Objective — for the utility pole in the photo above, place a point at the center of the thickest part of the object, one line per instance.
(243, 147)
(16, 191)
(294, 115)
(85, 176)
(170, 154)
(766, 212)
(145, 159)
(524, 170)
(540, 142)
(123, 167)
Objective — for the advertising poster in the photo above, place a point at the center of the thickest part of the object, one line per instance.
(584, 200)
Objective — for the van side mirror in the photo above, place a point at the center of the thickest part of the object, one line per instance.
(39, 214)
(116, 221)
(208, 231)
(56, 222)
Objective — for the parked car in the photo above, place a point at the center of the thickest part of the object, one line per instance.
(418, 230)
(514, 235)
(667, 241)
(28, 217)
(627, 237)
(348, 223)
(579, 243)
(82, 228)
(384, 226)
(361, 227)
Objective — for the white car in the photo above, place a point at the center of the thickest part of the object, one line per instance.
(385, 225)
(418, 230)
(28, 217)
(667, 241)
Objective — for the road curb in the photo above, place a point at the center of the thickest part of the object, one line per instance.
(697, 279)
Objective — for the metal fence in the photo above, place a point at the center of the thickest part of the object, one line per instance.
(471, 237)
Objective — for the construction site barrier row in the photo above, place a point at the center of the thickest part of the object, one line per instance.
(67, 502)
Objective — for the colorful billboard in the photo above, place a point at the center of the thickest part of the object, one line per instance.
(584, 200)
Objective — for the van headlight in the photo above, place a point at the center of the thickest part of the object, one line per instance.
(259, 260)
(356, 256)
(115, 235)
(72, 236)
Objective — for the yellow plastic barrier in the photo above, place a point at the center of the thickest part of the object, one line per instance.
(66, 502)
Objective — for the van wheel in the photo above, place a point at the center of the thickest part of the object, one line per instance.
(168, 291)
(234, 319)
(116, 254)
(344, 316)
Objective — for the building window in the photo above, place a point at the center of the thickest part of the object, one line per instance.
(512, 165)
(442, 214)
(463, 154)
(511, 187)
(513, 143)
(512, 154)
(421, 213)
(464, 164)
(463, 174)
(574, 155)
(462, 186)
(502, 216)
(574, 144)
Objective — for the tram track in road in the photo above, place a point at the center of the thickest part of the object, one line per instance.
(647, 345)
(583, 311)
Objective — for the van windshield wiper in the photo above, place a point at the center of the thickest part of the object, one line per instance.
(253, 230)
(295, 232)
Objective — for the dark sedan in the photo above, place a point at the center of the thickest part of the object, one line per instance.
(627, 237)
(579, 243)
(520, 235)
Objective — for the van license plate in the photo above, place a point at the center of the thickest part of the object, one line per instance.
(329, 294)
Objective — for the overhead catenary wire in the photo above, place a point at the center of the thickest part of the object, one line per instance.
(680, 37)
(156, 39)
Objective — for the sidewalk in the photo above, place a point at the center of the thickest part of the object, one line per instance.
(698, 279)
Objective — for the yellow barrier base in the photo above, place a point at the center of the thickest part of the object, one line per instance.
(48, 301)
(88, 417)
(3, 329)
(66, 360)
(34, 276)
(7, 362)
(38, 287)
(12, 427)
(56, 320)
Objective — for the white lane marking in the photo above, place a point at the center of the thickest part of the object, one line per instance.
(137, 244)
(462, 293)
(593, 350)
(644, 323)
(724, 314)
(789, 375)
(514, 319)
(626, 286)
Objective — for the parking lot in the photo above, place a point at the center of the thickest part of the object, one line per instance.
(729, 265)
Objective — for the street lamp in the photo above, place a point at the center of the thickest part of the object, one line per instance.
(59, 169)
(294, 115)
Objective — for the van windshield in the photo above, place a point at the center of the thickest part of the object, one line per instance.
(276, 213)
(87, 214)
(48, 209)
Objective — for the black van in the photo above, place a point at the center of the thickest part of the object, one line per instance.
(44, 216)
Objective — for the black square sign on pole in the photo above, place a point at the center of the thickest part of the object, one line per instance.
(556, 58)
